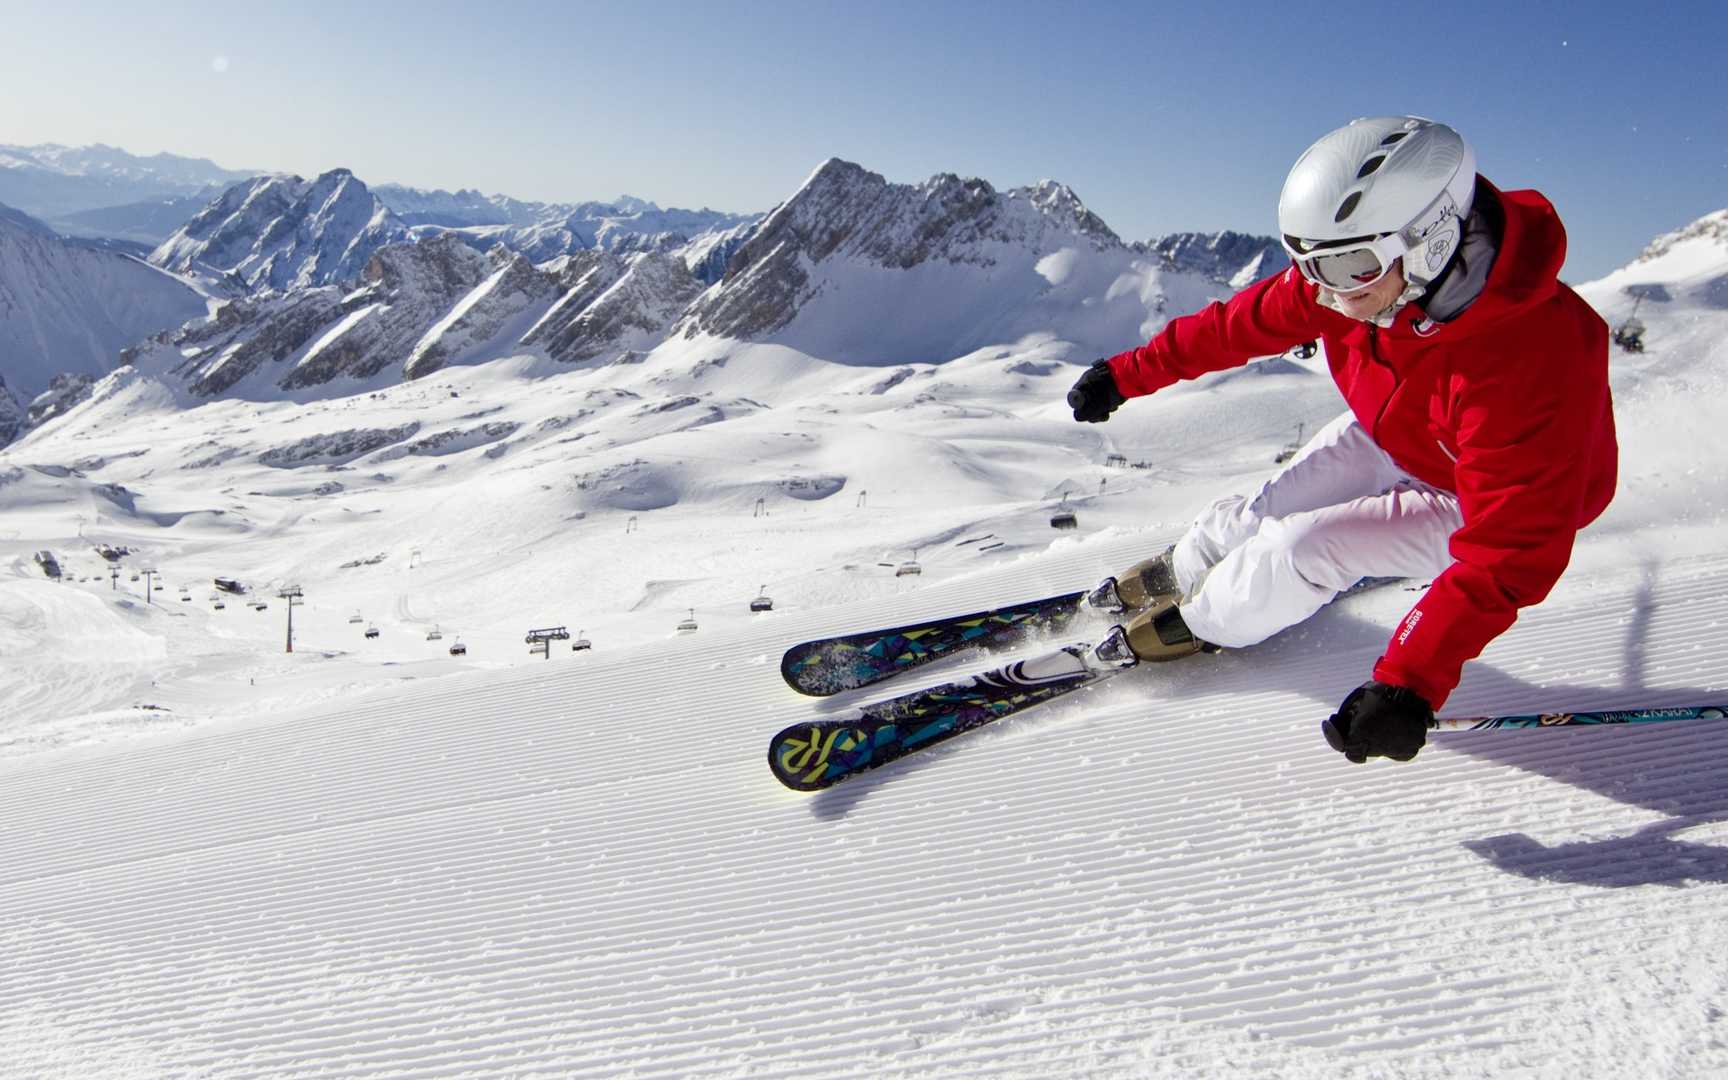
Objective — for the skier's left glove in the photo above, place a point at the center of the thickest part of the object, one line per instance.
(1096, 395)
(1379, 720)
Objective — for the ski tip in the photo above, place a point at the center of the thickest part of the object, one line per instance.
(803, 671)
(817, 754)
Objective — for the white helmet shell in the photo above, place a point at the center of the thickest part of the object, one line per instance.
(1380, 175)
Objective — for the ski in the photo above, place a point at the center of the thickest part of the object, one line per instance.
(830, 665)
(816, 754)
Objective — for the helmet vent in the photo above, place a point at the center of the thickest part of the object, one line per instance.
(1370, 165)
(1392, 138)
(1347, 207)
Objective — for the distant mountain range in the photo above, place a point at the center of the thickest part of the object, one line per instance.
(327, 282)
(850, 268)
(58, 183)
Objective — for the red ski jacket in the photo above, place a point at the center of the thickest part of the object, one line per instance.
(1506, 405)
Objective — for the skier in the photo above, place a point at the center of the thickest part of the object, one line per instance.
(1479, 437)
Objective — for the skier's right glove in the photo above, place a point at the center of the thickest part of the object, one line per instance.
(1095, 396)
(1379, 720)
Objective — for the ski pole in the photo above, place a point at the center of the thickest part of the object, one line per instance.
(1544, 720)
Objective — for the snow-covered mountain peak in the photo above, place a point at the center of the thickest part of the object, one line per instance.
(1709, 231)
(1058, 200)
(857, 268)
(275, 232)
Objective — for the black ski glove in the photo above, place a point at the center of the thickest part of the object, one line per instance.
(1095, 396)
(1378, 720)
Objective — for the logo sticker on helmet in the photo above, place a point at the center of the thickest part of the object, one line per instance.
(1438, 249)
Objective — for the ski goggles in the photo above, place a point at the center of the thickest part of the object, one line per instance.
(1348, 265)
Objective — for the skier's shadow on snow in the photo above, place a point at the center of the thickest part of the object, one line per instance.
(1680, 770)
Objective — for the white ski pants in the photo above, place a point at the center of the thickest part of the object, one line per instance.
(1340, 510)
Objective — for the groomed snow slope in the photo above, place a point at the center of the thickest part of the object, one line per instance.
(586, 870)
(581, 867)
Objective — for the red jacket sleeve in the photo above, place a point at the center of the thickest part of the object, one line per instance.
(1264, 319)
(1521, 489)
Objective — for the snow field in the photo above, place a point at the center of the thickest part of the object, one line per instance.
(587, 872)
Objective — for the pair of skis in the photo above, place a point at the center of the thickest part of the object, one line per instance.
(816, 754)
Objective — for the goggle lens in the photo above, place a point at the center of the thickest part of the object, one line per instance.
(1343, 271)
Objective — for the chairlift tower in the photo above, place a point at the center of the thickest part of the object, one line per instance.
(291, 595)
(149, 580)
(540, 641)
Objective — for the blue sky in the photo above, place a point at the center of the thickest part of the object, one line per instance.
(1162, 117)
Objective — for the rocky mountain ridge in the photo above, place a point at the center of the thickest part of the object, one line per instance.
(422, 306)
(855, 268)
(279, 232)
(1236, 259)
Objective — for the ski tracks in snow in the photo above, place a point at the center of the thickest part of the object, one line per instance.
(587, 870)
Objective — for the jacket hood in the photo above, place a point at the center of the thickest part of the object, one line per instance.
(1526, 269)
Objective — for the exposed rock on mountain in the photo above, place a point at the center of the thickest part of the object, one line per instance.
(858, 269)
(502, 306)
(280, 232)
(63, 393)
(420, 307)
(1709, 231)
(708, 255)
(612, 303)
(307, 337)
(1235, 259)
(11, 415)
(336, 447)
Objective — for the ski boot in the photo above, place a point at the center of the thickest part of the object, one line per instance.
(1158, 634)
(1144, 585)
(1155, 635)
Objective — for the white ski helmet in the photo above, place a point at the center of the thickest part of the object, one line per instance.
(1373, 191)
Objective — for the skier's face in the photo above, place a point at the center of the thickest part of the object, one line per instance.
(1366, 303)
